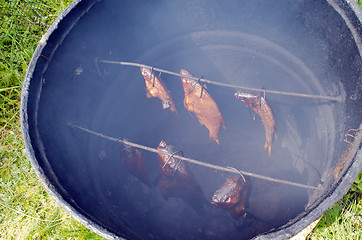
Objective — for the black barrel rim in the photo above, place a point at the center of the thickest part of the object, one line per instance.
(347, 9)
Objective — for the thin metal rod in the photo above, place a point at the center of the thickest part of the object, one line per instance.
(329, 98)
(220, 168)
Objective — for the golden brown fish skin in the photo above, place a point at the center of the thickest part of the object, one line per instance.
(159, 89)
(135, 163)
(261, 107)
(204, 108)
(233, 196)
(177, 180)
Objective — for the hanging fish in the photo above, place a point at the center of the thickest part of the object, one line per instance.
(135, 163)
(260, 106)
(198, 101)
(155, 87)
(233, 196)
(176, 179)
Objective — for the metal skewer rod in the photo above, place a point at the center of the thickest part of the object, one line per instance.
(220, 168)
(329, 98)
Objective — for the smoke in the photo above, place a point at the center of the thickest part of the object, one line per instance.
(250, 44)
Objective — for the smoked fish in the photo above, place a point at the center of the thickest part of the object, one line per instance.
(233, 196)
(260, 106)
(176, 179)
(198, 101)
(135, 163)
(155, 87)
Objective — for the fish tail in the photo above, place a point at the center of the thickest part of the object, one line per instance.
(173, 109)
(214, 136)
(174, 116)
(174, 113)
(267, 147)
(223, 123)
(187, 107)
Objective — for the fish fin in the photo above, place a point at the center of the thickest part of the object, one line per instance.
(174, 116)
(187, 106)
(201, 122)
(267, 147)
(148, 93)
(173, 109)
(233, 213)
(252, 113)
(217, 141)
(223, 123)
(276, 135)
(190, 114)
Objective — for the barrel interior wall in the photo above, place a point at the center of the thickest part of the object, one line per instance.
(240, 47)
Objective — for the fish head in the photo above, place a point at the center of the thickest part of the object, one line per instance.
(146, 73)
(127, 150)
(163, 145)
(167, 163)
(228, 195)
(186, 73)
(187, 83)
(244, 95)
(169, 148)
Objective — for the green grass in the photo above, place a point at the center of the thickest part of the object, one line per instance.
(359, 3)
(26, 209)
(342, 221)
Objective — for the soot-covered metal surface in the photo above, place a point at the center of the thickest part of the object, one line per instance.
(293, 46)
